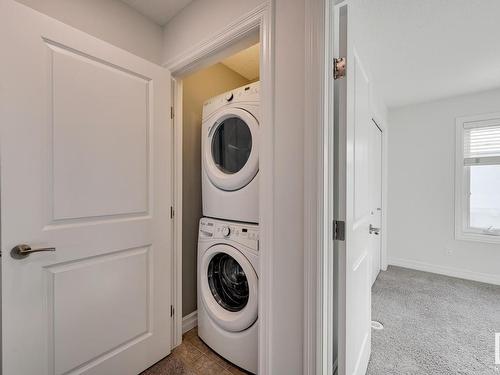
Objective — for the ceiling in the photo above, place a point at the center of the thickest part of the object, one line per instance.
(429, 49)
(416, 51)
(160, 11)
(245, 62)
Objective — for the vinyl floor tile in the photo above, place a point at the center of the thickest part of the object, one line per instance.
(193, 357)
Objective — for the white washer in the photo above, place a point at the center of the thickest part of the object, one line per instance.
(230, 155)
(228, 273)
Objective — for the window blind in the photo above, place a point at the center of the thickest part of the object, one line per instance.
(482, 145)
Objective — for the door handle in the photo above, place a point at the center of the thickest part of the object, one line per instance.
(23, 250)
(374, 230)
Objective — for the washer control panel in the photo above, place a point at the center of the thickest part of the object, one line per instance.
(245, 234)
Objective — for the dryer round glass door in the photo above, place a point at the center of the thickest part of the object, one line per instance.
(228, 287)
(231, 154)
(231, 145)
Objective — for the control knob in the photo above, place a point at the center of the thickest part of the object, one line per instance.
(226, 231)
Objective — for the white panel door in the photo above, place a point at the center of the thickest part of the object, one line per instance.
(375, 198)
(86, 169)
(354, 203)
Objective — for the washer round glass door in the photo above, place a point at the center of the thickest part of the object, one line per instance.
(231, 156)
(229, 288)
(228, 282)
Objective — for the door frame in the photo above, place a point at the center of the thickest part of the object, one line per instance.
(232, 38)
(382, 125)
(319, 141)
(316, 228)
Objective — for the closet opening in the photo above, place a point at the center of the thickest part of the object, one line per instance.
(217, 126)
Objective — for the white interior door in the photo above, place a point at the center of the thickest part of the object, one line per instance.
(86, 169)
(354, 203)
(376, 197)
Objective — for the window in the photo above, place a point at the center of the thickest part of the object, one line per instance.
(477, 211)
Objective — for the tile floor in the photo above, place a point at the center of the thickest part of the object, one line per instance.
(193, 357)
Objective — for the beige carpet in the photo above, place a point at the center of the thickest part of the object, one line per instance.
(434, 325)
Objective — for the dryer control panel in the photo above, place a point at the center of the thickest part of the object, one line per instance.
(244, 234)
(245, 94)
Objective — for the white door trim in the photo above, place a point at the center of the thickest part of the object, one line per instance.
(261, 20)
(204, 52)
(177, 320)
(385, 132)
(316, 212)
(320, 270)
(376, 251)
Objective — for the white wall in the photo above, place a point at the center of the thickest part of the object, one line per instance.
(193, 25)
(109, 20)
(421, 190)
(288, 268)
(199, 20)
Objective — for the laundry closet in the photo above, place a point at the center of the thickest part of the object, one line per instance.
(220, 128)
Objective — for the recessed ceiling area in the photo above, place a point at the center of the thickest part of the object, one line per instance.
(160, 11)
(423, 50)
(245, 62)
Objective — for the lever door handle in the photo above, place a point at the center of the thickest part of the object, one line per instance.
(374, 230)
(23, 250)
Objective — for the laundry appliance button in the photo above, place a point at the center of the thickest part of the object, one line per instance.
(226, 231)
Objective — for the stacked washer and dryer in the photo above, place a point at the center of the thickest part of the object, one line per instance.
(228, 242)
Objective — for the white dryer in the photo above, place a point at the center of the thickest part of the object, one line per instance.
(227, 290)
(230, 155)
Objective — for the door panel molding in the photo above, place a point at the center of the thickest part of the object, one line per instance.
(80, 189)
(136, 325)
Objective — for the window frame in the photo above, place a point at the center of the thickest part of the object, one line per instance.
(462, 184)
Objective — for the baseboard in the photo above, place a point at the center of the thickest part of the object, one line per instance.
(448, 271)
(189, 322)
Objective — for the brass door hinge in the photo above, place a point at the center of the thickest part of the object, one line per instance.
(339, 67)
